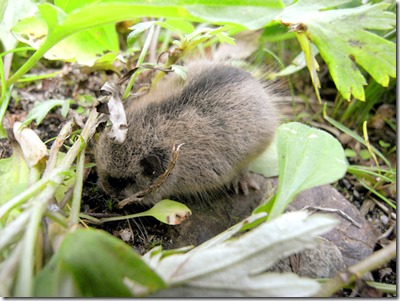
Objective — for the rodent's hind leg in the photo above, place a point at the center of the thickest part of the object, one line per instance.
(243, 182)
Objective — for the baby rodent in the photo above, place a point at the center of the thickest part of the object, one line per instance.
(224, 117)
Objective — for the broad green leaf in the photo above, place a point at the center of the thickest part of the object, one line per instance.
(267, 163)
(250, 16)
(275, 32)
(344, 41)
(14, 175)
(93, 263)
(308, 157)
(11, 11)
(181, 24)
(62, 24)
(85, 47)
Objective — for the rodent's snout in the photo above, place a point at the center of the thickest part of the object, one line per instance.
(119, 188)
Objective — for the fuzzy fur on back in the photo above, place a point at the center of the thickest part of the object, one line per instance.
(224, 117)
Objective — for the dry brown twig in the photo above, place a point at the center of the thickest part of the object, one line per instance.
(333, 210)
(138, 196)
(354, 272)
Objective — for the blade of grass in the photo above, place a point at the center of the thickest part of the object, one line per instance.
(386, 200)
(369, 147)
(359, 170)
(352, 134)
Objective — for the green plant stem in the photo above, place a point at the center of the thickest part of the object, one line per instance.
(370, 263)
(31, 62)
(9, 267)
(5, 99)
(139, 61)
(33, 77)
(23, 196)
(24, 282)
(77, 194)
(57, 217)
(12, 232)
(99, 221)
(119, 218)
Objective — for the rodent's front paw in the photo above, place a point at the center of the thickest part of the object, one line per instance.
(243, 182)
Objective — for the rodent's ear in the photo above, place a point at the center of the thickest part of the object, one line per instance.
(152, 166)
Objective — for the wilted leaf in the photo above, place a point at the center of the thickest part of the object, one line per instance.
(308, 157)
(343, 40)
(93, 263)
(31, 145)
(119, 127)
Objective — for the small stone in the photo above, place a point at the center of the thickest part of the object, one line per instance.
(384, 219)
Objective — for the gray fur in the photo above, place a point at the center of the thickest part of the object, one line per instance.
(224, 117)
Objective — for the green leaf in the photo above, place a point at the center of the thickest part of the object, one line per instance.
(245, 13)
(11, 11)
(169, 212)
(68, 182)
(344, 41)
(85, 47)
(41, 109)
(181, 71)
(93, 263)
(62, 24)
(182, 25)
(308, 157)
(137, 29)
(267, 163)
(14, 175)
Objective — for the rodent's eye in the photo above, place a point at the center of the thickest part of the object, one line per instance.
(119, 182)
(152, 166)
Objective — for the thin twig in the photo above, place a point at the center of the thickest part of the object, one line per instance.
(372, 262)
(334, 210)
